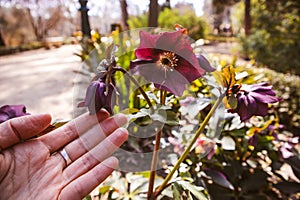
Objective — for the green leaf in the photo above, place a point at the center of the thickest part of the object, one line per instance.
(130, 111)
(254, 181)
(288, 187)
(232, 101)
(176, 191)
(197, 191)
(53, 126)
(219, 178)
(104, 189)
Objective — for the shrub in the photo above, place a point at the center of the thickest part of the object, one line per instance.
(197, 26)
(275, 39)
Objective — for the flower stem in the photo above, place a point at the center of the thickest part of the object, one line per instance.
(137, 85)
(155, 153)
(189, 147)
(154, 164)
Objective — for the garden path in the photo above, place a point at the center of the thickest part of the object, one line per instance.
(40, 79)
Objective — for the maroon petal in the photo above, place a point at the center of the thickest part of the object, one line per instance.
(92, 99)
(204, 64)
(178, 43)
(188, 70)
(146, 54)
(171, 81)
(264, 98)
(11, 111)
(3, 117)
(147, 48)
(242, 108)
(172, 41)
(262, 109)
(148, 40)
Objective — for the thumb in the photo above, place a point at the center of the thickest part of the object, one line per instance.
(21, 128)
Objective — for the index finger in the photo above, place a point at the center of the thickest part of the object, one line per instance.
(73, 129)
(21, 128)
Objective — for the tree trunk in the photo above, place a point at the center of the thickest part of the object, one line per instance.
(2, 43)
(247, 17)
(153, 14)
(85, 24)
(124, 23)
(34, 27)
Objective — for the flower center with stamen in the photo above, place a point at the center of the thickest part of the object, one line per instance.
(168, 60)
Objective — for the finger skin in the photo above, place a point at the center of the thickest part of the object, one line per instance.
(70, 131)
(21, 128)
(94, 136)
(95, 156)
(84, 184)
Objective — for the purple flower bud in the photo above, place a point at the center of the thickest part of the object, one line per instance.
(11, 111)
(99, 96)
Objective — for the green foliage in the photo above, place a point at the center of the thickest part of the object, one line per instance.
(245, 158)
(275, 38)
(196, 26)
(138, 21)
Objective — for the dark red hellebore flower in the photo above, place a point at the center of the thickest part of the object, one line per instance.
(167, 60)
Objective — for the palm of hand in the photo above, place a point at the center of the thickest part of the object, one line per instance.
(33, 169)
(40, 174)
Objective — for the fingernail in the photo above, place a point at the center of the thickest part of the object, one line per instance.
(120, 119)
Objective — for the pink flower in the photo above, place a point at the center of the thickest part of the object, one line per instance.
(167, 60)
(205, 146)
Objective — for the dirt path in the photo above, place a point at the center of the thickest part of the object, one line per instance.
(40, 79)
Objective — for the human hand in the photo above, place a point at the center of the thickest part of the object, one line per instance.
(33, 168)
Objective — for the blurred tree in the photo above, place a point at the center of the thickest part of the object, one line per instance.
(275, 38)
(123, 4)
(247, 17)
(197, 26)
(153, 13)
(14, 26)
(2, 43)
(165, 5)
(43, 15)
